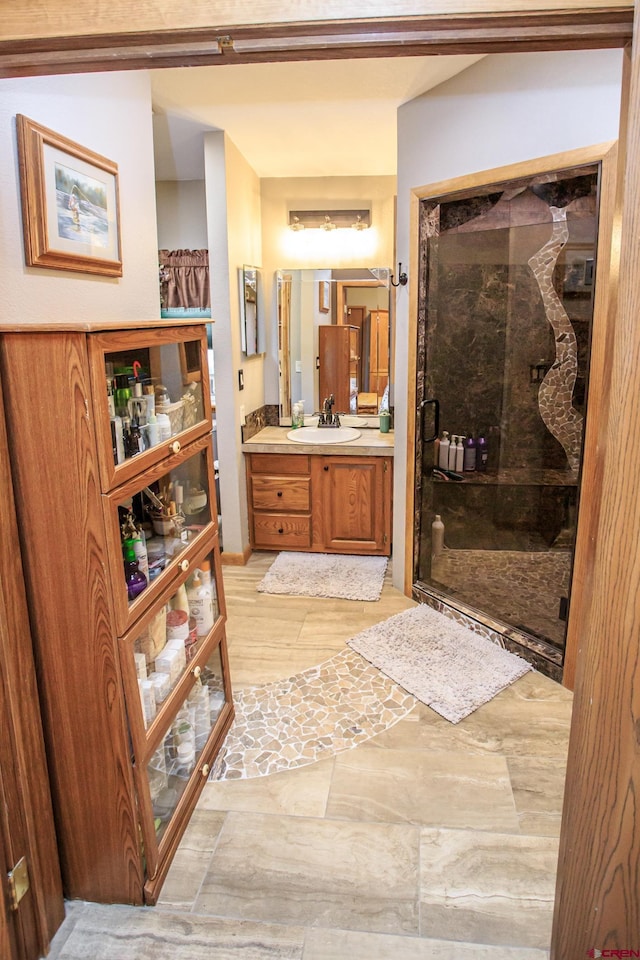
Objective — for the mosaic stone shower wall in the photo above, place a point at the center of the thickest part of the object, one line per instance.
(504, 317)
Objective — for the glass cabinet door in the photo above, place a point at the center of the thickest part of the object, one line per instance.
(152, 396)
(181, 761)
(168, 646)
(155, 522)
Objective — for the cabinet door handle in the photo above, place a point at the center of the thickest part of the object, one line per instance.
(205, 770)
(280, 530)
(196, 672)
(184, 565)
(175, 446)
(279, 493)
(325, 468)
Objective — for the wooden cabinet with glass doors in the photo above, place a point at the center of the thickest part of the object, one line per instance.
(112, 465)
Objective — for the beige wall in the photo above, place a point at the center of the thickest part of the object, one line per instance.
(111, 115)
(233, 227)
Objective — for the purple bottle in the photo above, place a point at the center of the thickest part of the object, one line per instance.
(134, 577)
(469, 456)
(482, 453)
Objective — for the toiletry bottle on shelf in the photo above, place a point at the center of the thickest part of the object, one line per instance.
(436, 452)
(452, 452)
(443, 462)
(153, 431)
(200, 605)
(469, 459)
(437, 536)
(205, 576)
(180, 599)
(134, 578)
(459, 455)
(482, 453)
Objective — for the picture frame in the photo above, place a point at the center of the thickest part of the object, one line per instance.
(324, 295)
(70, 203)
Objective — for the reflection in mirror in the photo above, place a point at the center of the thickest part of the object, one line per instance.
(249, 315)
(352, 364)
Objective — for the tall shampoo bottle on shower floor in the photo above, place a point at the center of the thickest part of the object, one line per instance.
(437, 536)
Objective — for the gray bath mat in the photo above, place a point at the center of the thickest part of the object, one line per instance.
(442, 663)
(338, 575)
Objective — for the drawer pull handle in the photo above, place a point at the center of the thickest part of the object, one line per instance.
(175, 446)
(184, 565)
(280, 530)
(205, 770)
(279, 493)
(325, 468)
(196, 672)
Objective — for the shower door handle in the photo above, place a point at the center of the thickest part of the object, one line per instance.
(436, 416)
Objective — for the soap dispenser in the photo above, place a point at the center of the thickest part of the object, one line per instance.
(452, 452)
(444, 451)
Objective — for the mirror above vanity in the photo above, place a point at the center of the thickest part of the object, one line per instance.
(334, 335)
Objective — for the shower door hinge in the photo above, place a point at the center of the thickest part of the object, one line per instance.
(18, 880)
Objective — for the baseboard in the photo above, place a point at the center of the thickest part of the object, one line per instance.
(235, 559)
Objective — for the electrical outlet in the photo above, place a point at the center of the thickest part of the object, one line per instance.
(243, 419)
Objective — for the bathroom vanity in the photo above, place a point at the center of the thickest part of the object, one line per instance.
(320, 498)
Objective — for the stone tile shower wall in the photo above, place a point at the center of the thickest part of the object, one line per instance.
(501, 298)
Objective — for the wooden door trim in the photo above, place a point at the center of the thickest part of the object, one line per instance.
(597, 899)
(36, 45)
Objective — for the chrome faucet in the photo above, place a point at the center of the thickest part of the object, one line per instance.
(327, 418)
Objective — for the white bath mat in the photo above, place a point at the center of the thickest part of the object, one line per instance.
(442, 663)
(339, 575)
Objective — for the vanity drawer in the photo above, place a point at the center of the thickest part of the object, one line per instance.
(281, 493)
(281, 530)
(278, 463)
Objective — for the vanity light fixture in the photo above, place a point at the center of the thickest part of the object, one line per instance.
(329, 219)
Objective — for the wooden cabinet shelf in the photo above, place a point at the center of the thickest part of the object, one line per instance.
(132, 670)
(320, 503)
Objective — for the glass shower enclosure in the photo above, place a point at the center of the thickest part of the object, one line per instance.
(505, 312)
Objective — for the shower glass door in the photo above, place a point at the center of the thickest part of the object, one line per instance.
(506, 302)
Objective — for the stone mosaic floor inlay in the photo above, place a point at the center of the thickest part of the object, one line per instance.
(315, 714)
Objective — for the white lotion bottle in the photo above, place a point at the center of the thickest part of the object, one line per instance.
(443, 462)
(437, 536)
(459, 455)
(452, 452)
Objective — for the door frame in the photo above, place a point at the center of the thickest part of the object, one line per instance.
(605, 154)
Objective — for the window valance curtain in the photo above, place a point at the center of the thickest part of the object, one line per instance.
(184, 278)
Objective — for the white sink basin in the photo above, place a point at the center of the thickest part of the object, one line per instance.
(323, 434)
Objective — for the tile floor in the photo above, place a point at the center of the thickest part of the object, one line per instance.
(428, 841)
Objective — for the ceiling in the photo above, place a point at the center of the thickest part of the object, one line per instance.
(292, 119)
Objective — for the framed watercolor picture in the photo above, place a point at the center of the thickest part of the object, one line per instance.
(70, 208)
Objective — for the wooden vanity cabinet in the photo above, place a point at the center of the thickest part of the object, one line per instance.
(279, 496)
(115, 843)
(320, 503)
(351, 504)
